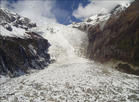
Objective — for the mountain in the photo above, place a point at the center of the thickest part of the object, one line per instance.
(20, 49)
(111, 36)
(76, 74)
(114, 36)
(25, 45)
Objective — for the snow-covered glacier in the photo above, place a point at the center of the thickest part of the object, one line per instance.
(71, 77)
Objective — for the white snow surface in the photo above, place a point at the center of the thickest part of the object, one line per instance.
(16, 32)
(72, 78)
(78, 80)
(93, 20)
(66, 42)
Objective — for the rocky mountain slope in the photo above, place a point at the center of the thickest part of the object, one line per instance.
(20, 49)
(114, 35)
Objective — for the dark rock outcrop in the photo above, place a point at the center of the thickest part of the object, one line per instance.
(18, 55)
(127, 69)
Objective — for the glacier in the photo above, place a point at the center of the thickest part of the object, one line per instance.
(71, 77)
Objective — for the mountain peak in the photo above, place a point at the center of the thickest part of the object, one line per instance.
(14, 25)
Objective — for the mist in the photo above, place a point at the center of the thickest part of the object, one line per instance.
(98, 6)
(37, 10)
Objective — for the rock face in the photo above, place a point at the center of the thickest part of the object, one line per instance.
(127, 69)
(20, 53)
(119, 38)
(115, 38)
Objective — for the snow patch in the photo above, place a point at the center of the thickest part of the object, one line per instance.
(16, 32)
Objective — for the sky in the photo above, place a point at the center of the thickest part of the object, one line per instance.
(61, 11)
(68, 6)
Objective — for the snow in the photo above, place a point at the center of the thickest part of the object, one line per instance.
(65, 41)
(11, 26)
(9, 13)
(32, 50)
(93, 20)
(16, 32)
(72, 78)
(97, 7)
(98, 18)
(126, 3)
(100, 12)
(76, 80)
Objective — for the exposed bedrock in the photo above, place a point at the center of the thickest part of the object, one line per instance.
(18, 55)
(117, 39)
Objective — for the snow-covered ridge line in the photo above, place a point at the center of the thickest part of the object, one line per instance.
(102, 16)
(14, 25)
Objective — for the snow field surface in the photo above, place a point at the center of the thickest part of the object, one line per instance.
(78, 80)
(16, 32)
(72, 78)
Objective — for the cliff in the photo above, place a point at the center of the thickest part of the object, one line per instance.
(20, 48)
(116, 37)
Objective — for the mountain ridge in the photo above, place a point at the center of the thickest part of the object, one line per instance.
(115, 37)
(20, 48)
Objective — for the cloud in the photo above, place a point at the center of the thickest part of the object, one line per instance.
(60, 13)
(97, 6)
(37, 10)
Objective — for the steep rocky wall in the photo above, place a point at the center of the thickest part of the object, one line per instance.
(119, 38)
(18, 55)
(20, 48)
